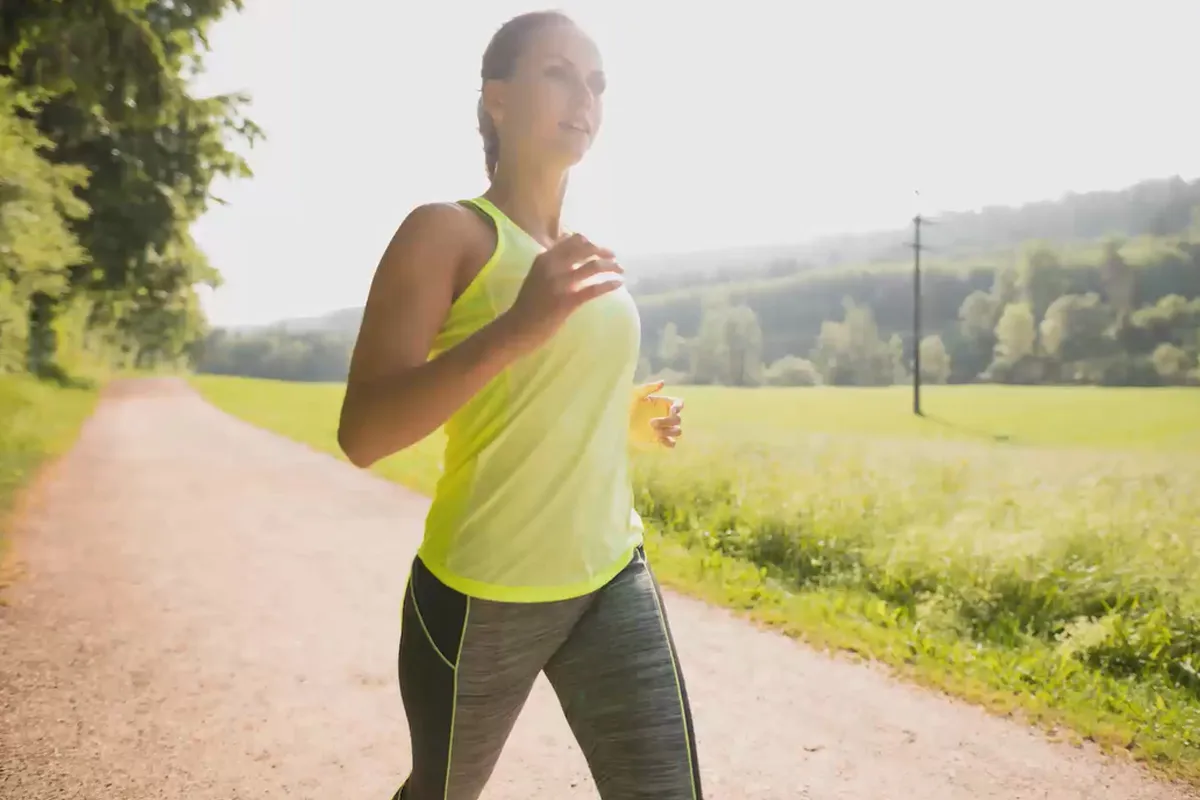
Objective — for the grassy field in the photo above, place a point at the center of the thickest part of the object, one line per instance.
(1034, 550)
(38, 420)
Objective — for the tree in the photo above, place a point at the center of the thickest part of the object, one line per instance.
(793, 371)
(672, 348)
(935, 360)
(978, 316)
(744, 344)
(37, 247)
(1015, 333)
(1119, 280)
(106, 83)
(1173, 319)
(1005, 287)
(1075, 327)
(1040, 278)
(900, 371)
(277, 354)
(710, 348)
(850, 352)
(728, 348)
(1171, 363)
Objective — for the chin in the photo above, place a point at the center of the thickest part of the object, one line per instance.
(570, 153)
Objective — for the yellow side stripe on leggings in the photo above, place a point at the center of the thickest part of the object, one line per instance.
(687, 738)
(425, 628)
(454, 700)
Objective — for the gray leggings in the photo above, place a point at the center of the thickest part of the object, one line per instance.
(467, 666)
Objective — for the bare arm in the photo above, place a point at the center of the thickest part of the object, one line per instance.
(394, 395)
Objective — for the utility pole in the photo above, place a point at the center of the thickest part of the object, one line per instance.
(916, 246)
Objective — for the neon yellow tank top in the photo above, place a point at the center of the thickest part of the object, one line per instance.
(534, 502)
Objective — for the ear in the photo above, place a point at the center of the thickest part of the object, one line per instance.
(492, 98)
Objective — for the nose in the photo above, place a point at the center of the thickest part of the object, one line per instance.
(583, 96)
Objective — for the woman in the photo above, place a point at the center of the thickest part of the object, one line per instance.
(485, 317)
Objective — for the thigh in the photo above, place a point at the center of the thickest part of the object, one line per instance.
(622, 690)
(466, 669)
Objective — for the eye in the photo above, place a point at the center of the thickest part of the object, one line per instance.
(597, 83)
(559, 72)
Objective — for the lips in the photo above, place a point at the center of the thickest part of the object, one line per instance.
(580, 127)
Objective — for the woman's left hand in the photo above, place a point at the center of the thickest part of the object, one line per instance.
(662, 414)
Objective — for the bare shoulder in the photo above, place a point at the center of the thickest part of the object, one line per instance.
(436, 237)
(443, 224)
(413, 287)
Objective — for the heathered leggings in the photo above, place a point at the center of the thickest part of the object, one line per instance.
(467, 666)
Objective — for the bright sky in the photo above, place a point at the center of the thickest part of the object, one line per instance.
(760, 121)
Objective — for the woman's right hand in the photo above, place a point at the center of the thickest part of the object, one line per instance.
(555, 287)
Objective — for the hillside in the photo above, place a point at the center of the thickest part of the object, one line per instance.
(1158, 207)
(1094, 288)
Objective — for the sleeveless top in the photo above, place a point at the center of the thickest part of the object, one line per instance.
(534, 502)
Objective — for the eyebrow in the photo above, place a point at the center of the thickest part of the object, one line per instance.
(558, 56)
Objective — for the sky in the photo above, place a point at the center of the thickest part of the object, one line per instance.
(726, 124)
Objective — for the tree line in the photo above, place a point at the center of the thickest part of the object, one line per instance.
(105, 161)
(1113, 313)
(277, 354)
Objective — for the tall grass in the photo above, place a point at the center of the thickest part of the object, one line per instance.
(1067, 577)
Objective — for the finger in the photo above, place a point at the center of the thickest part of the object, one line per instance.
(591, 270)
(659, 406)
(671, 431)
(594, 290)
(666, 441)
(575, 248)
(677, 405)
(666, 422)
(646, 390)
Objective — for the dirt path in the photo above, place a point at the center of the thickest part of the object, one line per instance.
(210, 611)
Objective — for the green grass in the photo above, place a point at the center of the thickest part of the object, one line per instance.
(38, 420)
(1053, 574)
(1134, 418)
(308, 412)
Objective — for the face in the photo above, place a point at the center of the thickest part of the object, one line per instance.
(551, 107)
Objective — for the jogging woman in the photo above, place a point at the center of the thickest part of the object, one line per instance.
(485, 317)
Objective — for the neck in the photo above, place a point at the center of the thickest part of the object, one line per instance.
(532, 197)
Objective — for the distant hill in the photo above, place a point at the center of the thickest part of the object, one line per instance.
(1158, 207)
(344, 319)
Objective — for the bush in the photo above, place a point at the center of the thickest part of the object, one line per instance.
(792, 371)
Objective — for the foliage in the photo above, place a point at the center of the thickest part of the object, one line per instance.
(1067, 315)
(1077, 566)
(104, 85)
(37, 247)
(276, 354)
(728, 349)
(1129, 249)
(793, 371)
(935, 360)
(851, 353)
(1172, 363)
